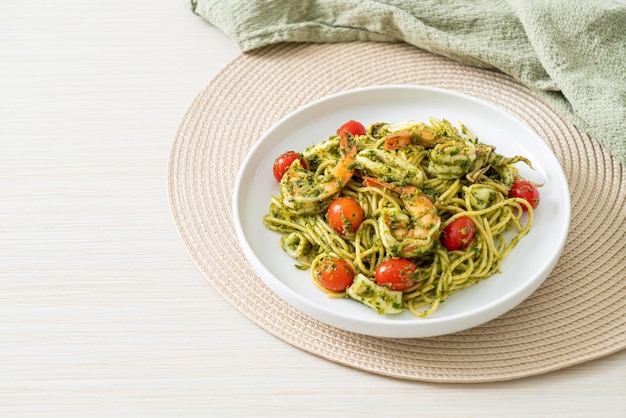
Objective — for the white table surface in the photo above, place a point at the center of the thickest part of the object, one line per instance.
(103, 313)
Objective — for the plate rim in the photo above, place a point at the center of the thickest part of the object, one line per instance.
(393, 329)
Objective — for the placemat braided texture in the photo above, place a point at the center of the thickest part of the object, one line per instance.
(578, 314)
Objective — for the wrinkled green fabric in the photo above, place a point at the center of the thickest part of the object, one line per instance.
(571, 52)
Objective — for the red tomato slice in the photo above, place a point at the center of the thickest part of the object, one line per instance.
(527, 191)
(345, 215)
(283, 161)
(352, 127)
(396, 273)
(458, 234)
(334, 274)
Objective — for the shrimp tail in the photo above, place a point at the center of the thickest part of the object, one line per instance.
(374, 182)
(407, 137)
(344, 170)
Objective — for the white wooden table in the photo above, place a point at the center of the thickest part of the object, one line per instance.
(103, 313)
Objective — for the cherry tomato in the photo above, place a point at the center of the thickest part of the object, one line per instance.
(396, 273)
(458, 234)
(345, 215)
(283, 161)
(352, 127)
(334, 274)
(527, 191)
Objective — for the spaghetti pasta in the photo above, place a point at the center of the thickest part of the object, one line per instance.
(412, 180)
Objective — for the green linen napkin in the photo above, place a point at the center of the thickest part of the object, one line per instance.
(571, 52)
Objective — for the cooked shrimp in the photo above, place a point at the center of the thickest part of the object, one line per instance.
(411, 232)
(456, 158)
(452, 159)
(385, 165)
(304, 191)
(419, 133)
(410, 136)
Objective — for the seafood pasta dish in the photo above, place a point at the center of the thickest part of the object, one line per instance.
(400, 216)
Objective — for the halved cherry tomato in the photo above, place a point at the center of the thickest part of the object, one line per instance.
(345, 215)
(334, 274)
(283, 161)
(352, 127)
(527, 191)
(396, 273)
(458, 234)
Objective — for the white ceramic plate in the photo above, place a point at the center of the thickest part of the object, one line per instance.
(523, 270)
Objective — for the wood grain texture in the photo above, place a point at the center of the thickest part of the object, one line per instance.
(103, 312)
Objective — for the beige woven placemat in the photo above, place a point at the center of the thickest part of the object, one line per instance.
(578, 314)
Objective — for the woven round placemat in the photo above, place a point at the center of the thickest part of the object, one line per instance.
(578, 314)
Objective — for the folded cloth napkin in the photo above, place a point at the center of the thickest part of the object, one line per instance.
(570, 52)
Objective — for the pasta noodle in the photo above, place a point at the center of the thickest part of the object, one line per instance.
(460, 176)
